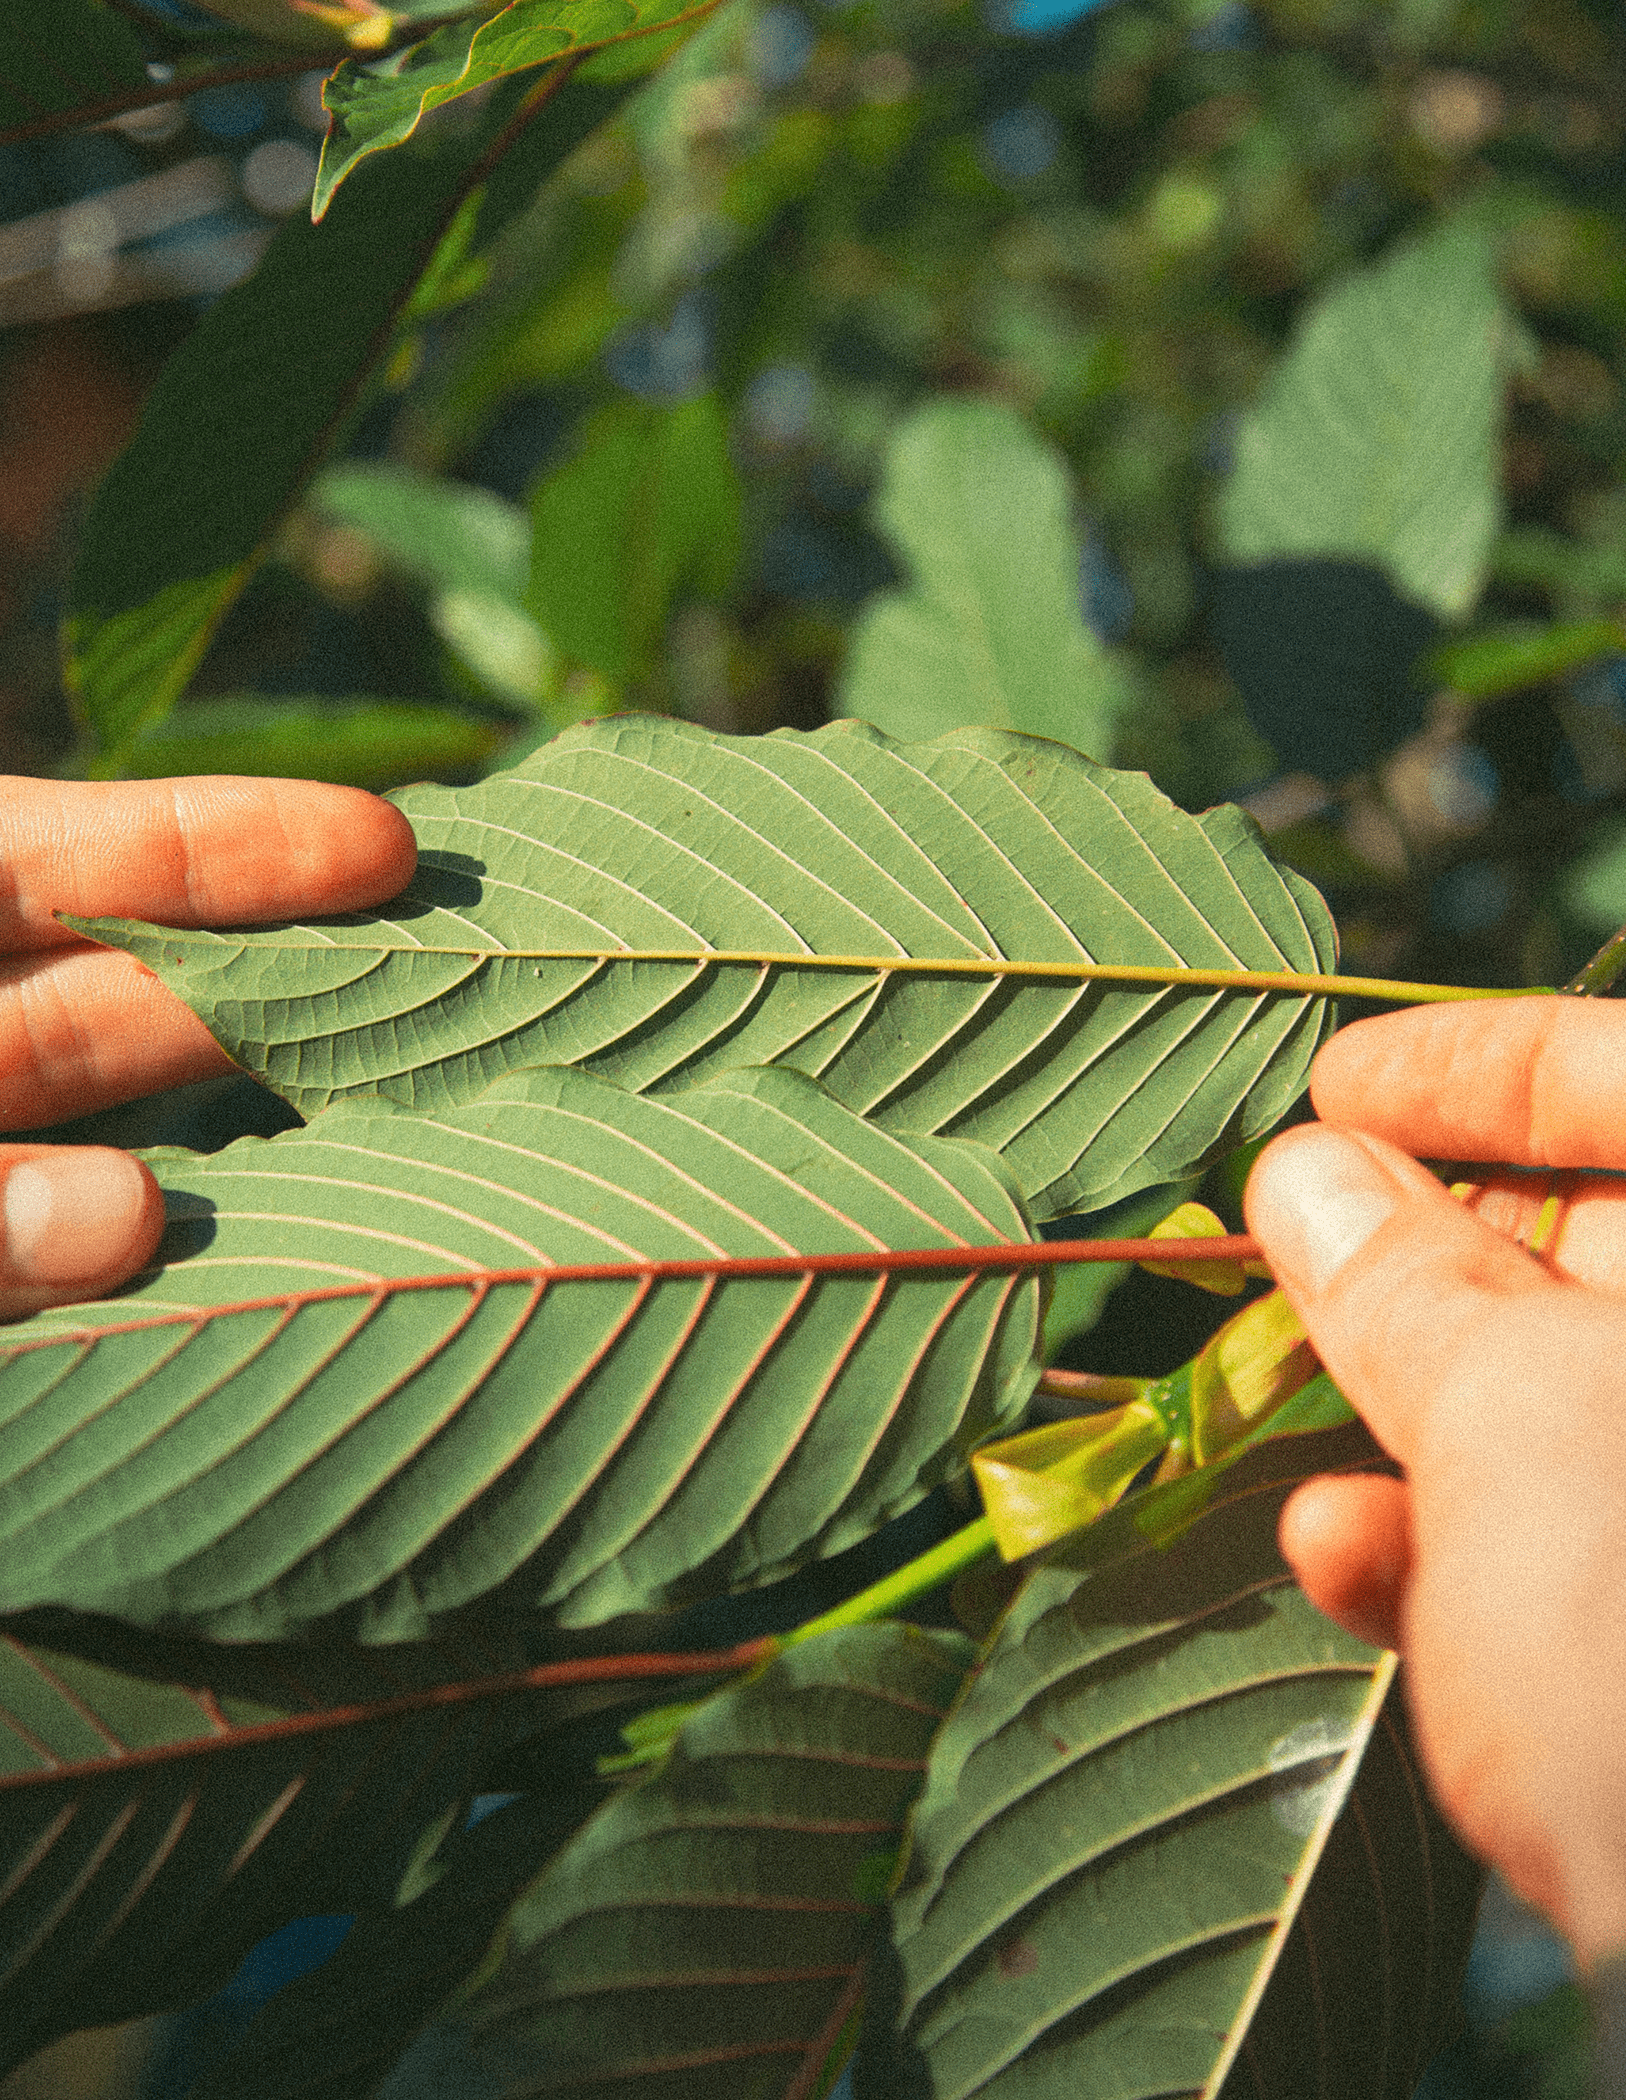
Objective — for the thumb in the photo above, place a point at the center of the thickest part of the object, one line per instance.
(74, 1222)
(1398, 1285)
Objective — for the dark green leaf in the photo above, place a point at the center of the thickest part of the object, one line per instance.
(379, 103)
(1173, 1837)
(164, 1804)
(644, 835)
(352, 1395)
(230, 436)
(649, 507)
(363, 744)
(705, 1932)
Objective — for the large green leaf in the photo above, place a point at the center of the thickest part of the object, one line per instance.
(992, 629)
(648, 507)
(1173, 1838)
(379, 103)
(164, 1804)
(352, 1395)
(706, 1930)
(1376, 437)
(645, 836)
(230, 435)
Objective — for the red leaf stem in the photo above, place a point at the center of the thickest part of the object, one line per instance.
(590, 1669)
(1002, 1259)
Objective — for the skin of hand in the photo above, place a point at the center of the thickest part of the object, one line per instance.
(1498, 1381)
(82, 1027)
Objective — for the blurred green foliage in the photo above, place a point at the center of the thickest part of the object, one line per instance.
(698, 363)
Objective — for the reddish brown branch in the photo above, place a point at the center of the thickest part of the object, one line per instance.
(591, 1669)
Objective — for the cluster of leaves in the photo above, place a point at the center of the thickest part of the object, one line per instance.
(666, 1217)
(668, 1208)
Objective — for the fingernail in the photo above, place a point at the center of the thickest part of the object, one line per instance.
(71, 1216)
(1316, 1201)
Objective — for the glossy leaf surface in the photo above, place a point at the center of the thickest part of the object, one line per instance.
(1376, 437)
(281, 1428)
(374, 105)
(991, 629)
(1173, 1838)
(637, 834)
(165, 1804)
(705, 1932)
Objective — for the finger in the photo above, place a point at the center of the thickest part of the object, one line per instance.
(1533, 1081)
(212, 850)
(1347, 1538)
(82, 1028)
(1584, 1235)
(1398, 1285)
(75, 1221)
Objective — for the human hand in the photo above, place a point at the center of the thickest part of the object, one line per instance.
(82, 1027)
(1498, 1566)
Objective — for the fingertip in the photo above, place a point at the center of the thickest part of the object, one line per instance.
(75, 1221)
(1347, 1538)
(363, 846)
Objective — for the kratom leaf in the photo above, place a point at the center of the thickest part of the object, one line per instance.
(1173, 1838)
(706, 1930)
(654, 838)
(60, 57)
(229, 438)
(165, 1804)
(650, 506)
(373, 105)
(352, 1396)
(992, 629)
(1376, 437)
(368, 743)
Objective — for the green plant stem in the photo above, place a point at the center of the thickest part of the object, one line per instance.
(917, 1578)
(1600, 973)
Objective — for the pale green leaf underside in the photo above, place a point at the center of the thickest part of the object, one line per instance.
(991, 629)
(1376, 437)
(705, 1932)
(1172, 1830)
(638, 833)
(375, 1458)
(142, 1856)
